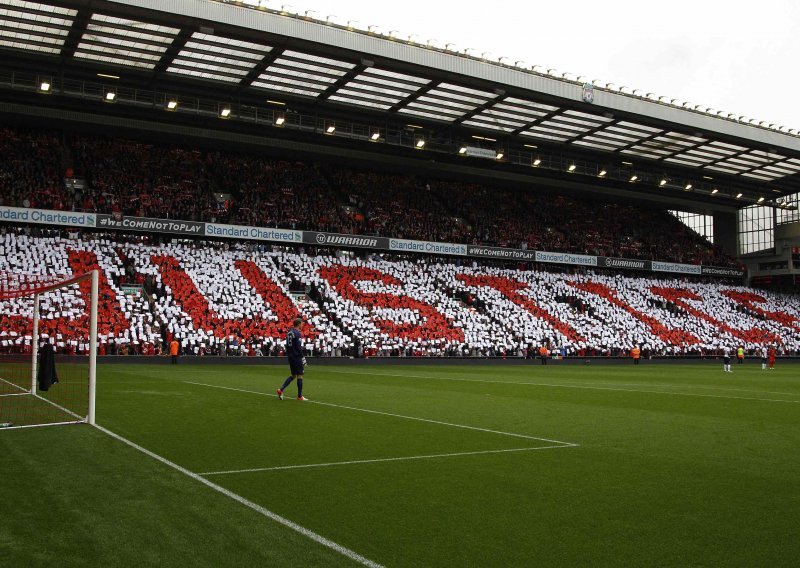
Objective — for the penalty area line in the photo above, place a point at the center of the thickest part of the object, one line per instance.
(380, 460)
(403, 416)
(249, 504)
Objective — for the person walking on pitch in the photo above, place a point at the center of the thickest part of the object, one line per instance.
(297, 361)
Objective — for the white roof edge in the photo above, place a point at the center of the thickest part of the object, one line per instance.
(604, 101)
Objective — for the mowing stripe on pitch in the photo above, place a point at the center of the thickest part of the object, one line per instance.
(563, 386)
(379, 460)
(249, 504)
(396, 415)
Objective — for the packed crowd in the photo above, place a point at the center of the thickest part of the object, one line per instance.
(151, 180)
(240, 299)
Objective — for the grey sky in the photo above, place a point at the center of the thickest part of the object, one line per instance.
(735, 56)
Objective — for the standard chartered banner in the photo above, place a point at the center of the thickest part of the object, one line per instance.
(219, 230)
(172, 226)
(677, 267)
(47, 217)
(290, 236)
(566, 258)
(429, 247)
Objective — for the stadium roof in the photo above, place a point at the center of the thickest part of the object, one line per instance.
(268, 54)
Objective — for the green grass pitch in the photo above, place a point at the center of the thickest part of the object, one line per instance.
(656, 465)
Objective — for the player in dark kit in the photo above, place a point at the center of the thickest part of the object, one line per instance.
(297, 360)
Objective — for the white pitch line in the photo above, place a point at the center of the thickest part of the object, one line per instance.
(16, 394)
(396, 415)
(15, 385)
(585, 387)
(352, 462)
(249, 504)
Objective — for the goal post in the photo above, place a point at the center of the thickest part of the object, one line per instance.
(48, 349)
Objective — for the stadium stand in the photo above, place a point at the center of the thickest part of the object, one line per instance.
(239, 299)
(148, 180)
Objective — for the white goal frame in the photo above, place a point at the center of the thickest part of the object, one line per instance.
(94, 276)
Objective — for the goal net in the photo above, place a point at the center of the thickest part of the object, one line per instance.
(48, 349)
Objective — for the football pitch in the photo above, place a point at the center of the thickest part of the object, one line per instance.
(463, 465)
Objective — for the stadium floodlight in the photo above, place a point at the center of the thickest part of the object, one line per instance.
(172, 104)
(738, 195)
(309, 14)
(44, 86)
(450, 47)
(225, 112)
(537, 68)
(110, 96)
(329, 19)
(287, 9)
(536, 162)
(760, 199)
(662, 183)
(602, 173)
(462, 150)
(714, 191)
(571, 168)
(373, 29)
(330, 129)
(499, 155)
(393, 34)
(279, 120)
(634, 178)
(688, 187)
(420, 143)
(376, 134)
